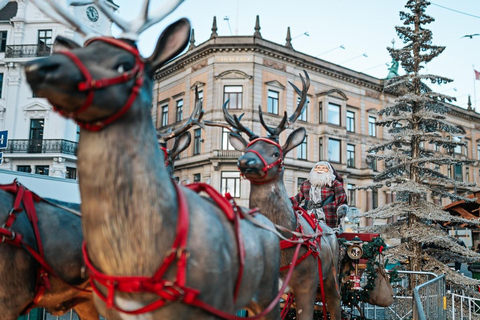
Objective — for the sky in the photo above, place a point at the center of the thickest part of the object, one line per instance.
(320, 28)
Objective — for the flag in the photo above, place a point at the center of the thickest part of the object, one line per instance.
(477, 74)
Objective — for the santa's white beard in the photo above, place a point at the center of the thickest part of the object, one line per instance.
(320, 179)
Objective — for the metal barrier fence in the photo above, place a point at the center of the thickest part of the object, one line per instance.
(429, 299)
(463, 307)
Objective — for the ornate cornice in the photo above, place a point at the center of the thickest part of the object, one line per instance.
(334, 93)
(267, 49)
(465, 115)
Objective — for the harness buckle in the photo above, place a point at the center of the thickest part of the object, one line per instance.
(175, 290)
(11, 238)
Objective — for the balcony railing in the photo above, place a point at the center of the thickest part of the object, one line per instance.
(27, 51)
(233, 154)
(42, 146)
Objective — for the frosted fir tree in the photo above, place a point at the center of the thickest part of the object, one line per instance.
(416, 120)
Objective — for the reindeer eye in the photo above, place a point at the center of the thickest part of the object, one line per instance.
(276, 154)
(124, 67)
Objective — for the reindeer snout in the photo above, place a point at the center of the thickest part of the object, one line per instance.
(247, 163)
(37, 70)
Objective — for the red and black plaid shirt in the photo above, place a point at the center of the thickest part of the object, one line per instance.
(330, 209)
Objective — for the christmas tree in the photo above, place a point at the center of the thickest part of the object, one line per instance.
(416, 121)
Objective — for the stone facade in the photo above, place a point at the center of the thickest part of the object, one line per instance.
(339, 118)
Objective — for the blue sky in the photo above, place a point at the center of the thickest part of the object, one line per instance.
(361, 26)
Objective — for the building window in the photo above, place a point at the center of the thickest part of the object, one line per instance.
(197, 177)
(374, 199)
(36, 135)
(44, 42)
(302, 150)
(300, 181)
(333, 114)
(350, 121)
(43, 170)
(467, 174)
(272, 103)
(371, 127)
(179, 113)
(226, 145)
(320, 149)
(478, 151)
(77, 136)
(235, 96)
(372, 163)
(3, 41)
(351, 195)
(458, 172)
(197, 137)
(24, 169)
(200, 95)
(350, 155)
(334, 154)
(320, 112)
(71, 173)
(458, 148)
(1, 85)
(230, 183)
(164, 117)
(304, 114)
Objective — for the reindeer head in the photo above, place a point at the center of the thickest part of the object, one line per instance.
(98, 83)
(263, 157)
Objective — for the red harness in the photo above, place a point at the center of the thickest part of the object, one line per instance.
(89, 85)
(177, 290)
(266, 166)
(28, 198)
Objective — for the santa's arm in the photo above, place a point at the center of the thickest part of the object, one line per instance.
(340, 195)
(296, 200)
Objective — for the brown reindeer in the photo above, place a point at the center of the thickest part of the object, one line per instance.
(262, 164)
(60, 236)
(131, 208)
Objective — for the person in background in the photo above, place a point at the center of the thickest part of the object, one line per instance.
(323, 194)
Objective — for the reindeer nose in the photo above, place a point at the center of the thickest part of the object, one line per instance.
(36, 70)
(244, 162)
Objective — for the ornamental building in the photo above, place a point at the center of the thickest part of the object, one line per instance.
(340, 117)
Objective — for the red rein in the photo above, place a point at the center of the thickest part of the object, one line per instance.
(89, 85)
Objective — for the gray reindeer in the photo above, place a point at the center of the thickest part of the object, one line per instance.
(152, 247)
(262, 164)
(64, 285)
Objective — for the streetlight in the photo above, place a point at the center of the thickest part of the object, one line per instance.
(226, 18)
(361, 55)
(303, 34)
(339, 47)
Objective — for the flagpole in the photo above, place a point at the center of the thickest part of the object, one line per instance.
(474, 91)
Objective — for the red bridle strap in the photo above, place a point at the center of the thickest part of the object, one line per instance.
(266, 166)
(89, 85)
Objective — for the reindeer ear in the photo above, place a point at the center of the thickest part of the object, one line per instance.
(237, 141)
(62, 43)
(171, 43)
(294, 139)
(181, 143)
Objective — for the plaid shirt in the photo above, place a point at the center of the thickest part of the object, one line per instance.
(303, 197)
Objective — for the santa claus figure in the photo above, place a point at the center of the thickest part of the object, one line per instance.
(323, 194)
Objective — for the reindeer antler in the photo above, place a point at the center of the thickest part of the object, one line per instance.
(194, 119)
(62, 15)
(275, 132)
(235, 123)
(223, 125)
(132, 29)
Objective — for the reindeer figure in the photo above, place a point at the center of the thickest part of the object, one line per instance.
(61, 285)
(154, 249)
(262, 164)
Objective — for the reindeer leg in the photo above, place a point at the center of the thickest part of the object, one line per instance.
(333, 298)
